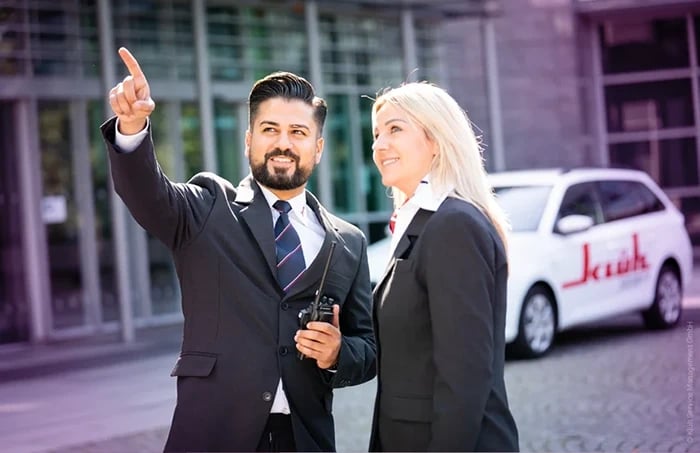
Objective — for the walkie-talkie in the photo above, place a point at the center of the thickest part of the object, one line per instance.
(321, 308)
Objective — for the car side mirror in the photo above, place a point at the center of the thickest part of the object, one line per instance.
(574, 224)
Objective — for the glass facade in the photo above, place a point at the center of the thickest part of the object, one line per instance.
(650, 81)
(644, 45)
(103, 215)
(160, 31)
(61, 214)
(14, 315)
(55, 50)
(49, 38)
(247, 42)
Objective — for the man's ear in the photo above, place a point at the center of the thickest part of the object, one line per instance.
(319, 149)
(247, 142)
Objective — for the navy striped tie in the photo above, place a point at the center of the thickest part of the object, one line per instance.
(290, 258)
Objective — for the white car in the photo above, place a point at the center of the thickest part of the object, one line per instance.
(586, 244)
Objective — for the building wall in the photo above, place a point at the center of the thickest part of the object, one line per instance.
(538, 79)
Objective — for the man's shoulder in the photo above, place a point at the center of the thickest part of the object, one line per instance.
(209, 179)
(344, 227)
(219, 187)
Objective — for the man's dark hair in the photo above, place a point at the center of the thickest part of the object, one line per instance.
(287, 86)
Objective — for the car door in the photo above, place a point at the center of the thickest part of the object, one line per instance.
(635, 227)
(578, 257)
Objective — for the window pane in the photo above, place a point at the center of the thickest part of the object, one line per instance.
(636, 155)
(14, 304)
(690, 207)
(244, 42)
(679, 163)
(229, 149)
(225, 38)
(524, 205)
(60, 214)
(264, 49)
(103, 215)
(696, 21)
(14, 40)
(644, 45)
(580, 199)
(57, 38)
(164, 287)
(191, 139)
(160, 34)
(370, 181)
(361, 50)
(671, 163)
(620, 200)
(649, 106)
(427, 47)
(165, 151)
(651, 201)
(340, 153)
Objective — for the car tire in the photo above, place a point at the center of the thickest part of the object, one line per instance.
(538, 324)
(666, 310)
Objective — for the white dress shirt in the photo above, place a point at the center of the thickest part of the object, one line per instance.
(129, 143)
(423, 198)
(302, 218)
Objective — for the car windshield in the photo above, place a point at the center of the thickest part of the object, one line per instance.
(523, 205)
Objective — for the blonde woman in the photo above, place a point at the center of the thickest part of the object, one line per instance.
(440, 306)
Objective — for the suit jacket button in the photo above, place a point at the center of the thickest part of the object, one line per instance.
(283, 350)
(285, 306)
(267, 396)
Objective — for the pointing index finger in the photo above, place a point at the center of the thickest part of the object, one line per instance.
(130, 62)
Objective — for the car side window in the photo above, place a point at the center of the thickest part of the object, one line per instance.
(651, 201)
(625, 199)
(581, 199)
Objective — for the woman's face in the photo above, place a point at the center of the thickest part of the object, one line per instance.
(402, 151)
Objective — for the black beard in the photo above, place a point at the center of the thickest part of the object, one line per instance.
(280, 181)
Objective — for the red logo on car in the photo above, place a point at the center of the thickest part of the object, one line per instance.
(604, 270)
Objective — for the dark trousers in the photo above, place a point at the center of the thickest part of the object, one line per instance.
(278, 435)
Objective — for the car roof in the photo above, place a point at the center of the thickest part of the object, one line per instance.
(548, 177)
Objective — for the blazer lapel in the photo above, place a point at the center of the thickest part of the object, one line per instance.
(405, 244)
(259, 219)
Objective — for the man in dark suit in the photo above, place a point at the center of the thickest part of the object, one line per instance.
(249, 258)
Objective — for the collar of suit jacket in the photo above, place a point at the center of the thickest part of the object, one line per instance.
(424, 198)
(249, 187)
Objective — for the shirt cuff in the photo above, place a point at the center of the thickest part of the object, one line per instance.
(129, 143)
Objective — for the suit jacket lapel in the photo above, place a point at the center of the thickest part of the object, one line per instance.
(310, 278)
(406, 242)
(259, 219)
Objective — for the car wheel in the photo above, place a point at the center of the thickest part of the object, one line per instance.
(537, 325)
(665, 312)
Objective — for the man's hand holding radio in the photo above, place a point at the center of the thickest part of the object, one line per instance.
(321, 340)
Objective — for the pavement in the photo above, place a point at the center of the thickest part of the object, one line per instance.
(34, 360)
(71, 422)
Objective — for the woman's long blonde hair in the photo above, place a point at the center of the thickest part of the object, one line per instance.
(459, 163)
